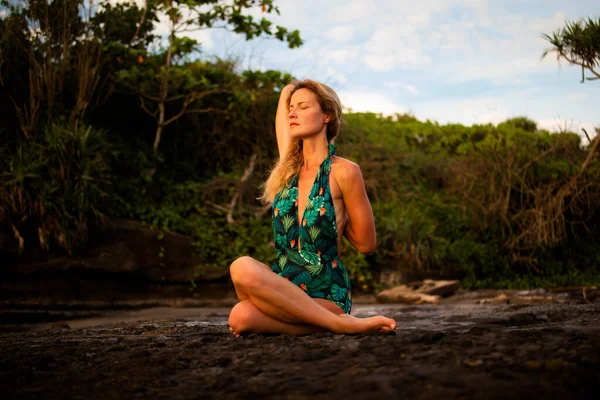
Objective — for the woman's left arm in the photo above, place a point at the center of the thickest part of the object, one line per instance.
(360, 227)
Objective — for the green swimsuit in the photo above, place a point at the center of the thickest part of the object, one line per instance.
(307, 253)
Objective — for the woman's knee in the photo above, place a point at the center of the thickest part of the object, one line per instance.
(246, 271)
(241, 316)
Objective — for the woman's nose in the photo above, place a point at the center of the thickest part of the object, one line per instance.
(292, 113)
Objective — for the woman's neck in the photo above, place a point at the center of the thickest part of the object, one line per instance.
(314, 151)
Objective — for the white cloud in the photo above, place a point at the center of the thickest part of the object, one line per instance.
(389, 47)
(577, 96)
(360, 101)
(340, 33)
(409, 88)
(412, 89)
(484, 54)
(341, 55)
(338, 77)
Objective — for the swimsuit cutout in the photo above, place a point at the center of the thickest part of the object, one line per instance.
(307, 254)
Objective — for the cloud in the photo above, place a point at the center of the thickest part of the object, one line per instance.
(412, 89)
(340, 33)
(409, 88)
(465, 61)
(577, 96)
(360, 101)
(337, 77)
(390, 46)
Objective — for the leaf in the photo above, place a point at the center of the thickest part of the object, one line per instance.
(304, 236)
(287, 221)
(310, 257)
(318, 202)
(327, 195)
(320, 281)
(328, 232)
(295, 257)
(282, 207)
(309, 204)
(337, 277)
(314, 233)
(280, 240)
(285, 193)
(282, 261)
(293, 193)
(314, 269)
(311, 217)
(332, 251)
(291, 270)
(338, 293)
(292, 233)
(307, 246)
(302, 277)
(329, 210)
(278, 225)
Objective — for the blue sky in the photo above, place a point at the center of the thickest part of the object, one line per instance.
(465, 61)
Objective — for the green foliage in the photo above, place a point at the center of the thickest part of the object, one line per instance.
(498, 206)
(54, 185)
(578, 43)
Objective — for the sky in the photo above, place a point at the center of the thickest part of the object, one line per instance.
(451, 61)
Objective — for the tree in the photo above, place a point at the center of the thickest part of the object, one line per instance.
(578, 43)
(169, 77)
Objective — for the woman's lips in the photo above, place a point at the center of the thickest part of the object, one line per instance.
(293, 124)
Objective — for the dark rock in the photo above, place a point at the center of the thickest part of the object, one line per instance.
(135, 248)
(437, 288)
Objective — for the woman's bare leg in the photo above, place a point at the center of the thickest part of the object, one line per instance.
(245, 317)
(281, 300)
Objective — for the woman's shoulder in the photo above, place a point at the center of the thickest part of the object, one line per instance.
(345, 171)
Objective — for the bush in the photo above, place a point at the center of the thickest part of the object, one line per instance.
(52, 186)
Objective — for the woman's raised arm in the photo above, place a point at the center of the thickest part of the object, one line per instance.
(282, 125)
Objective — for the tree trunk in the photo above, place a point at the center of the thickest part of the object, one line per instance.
(164, 91)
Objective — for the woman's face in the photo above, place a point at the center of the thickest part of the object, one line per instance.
(306, 117)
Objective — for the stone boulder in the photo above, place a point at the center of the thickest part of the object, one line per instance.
(404, 294)
(131, 247)
(436, 288)
(428, 291)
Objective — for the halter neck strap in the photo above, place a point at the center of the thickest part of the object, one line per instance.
(332, 148)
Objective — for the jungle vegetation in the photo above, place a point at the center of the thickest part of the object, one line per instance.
(103, 119)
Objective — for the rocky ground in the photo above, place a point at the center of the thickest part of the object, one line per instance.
(469, 349)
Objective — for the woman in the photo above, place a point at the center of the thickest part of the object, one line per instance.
(307, 289)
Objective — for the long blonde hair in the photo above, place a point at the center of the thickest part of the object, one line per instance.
(289, 166)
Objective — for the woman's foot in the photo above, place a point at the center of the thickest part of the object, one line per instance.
(378, 323)
(234, 332)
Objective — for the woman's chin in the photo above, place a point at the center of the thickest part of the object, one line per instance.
(304, 135)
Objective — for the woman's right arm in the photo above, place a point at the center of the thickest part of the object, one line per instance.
(282, 125)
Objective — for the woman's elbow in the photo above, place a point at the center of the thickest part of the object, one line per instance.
(367, 248)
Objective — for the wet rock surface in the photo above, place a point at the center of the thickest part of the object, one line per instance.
(473, 351)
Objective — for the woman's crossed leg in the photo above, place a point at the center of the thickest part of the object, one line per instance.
(270, 303)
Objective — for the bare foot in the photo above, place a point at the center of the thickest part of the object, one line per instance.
(378, 323)
(234, 332)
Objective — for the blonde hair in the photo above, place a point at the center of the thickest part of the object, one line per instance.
(287, 168)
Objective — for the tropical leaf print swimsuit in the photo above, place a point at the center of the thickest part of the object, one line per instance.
(307, 253)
